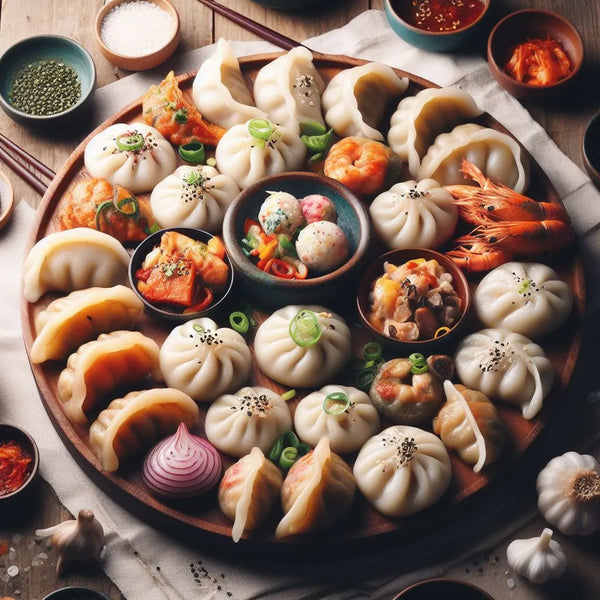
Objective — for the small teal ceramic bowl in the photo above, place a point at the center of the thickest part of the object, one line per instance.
(404, 16)
(272, 291)
(20, 59)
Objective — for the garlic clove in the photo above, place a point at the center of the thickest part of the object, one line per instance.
(539, 559)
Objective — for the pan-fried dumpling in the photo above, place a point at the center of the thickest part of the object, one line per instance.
(249, 491)
(204, 360)
(135, 156)
(527, 298)
(505, 366)
(403, 470)
(355, 99)
(252, 416)
(289, 89)
(247, 159)
(469, 424)
(193, 197)
(322, 347)
(220, 91)
(101, 366)
(72, 260)
(496, 154)
(414, 215)
(341, 413)
(132, 424)
(80, 317)
(317, 492)
(419, 119)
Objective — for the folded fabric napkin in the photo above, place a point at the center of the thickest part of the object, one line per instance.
(148, 564)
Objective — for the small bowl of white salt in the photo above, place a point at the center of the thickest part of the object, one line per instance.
(137, 35)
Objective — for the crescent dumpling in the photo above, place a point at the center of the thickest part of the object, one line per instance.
(131, 424)
(220, 91)
(355, 99)
(317, 492)
(193, 197)
(403, 470)
(102, 365)
(419, 119)
(80, 317)
(505, 366)
(138, 169)
(289, 89)
(72, 260)
(204, 360)
(249, 491)
(496, 154)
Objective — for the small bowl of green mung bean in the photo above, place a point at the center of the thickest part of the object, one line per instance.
(46, 81)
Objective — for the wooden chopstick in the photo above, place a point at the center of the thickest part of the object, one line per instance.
(8, 148)
(260, 30)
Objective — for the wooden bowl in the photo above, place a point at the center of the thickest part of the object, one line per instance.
(432, 589)
(399, 257)
(12, 433)
(397, 14)
(220, 299)
(524, 25)
(7, 199)
(272, 291)
(590, 149)
(138, 62)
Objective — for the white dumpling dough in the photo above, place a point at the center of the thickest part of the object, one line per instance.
(403, 470)
(496, 154)
(136, 170)
(220, 91)
(414, 215)
(355, 99)
(204, 360)
(527, 298)
(279, 357)
(193, 197)
(289, 89)
(347, 425)
(419, 119)
(505, 366)
(252, 416)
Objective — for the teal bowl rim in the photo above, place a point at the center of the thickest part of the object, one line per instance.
(7, 73)
(247, 269)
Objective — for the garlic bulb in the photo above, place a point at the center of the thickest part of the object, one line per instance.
(569, 493)
(539, 558)
(80, 539)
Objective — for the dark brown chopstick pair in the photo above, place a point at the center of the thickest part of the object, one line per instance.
(260, 30)
(26, 166)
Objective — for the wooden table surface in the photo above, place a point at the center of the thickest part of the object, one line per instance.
(564, 120)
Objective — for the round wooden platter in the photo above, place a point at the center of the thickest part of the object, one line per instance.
(201, 519)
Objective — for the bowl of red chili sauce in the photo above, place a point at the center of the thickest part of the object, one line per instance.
(436, 25)
(19, 462)
(535, 54)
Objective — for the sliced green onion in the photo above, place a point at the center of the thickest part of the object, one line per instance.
(525, 286)
(288, 395)
(261, 129)
(288, 457)
(211, 162)
(372, 351)
(365, 377)
(286, 245)
(99, 210)
(198, 328)
(181, 116)
(336, 403)
(129, 142)
(131, 201)
(312, 128)
(288, 438)
(193, 152)
(239, 322)
(317, 143)
(305, 329)
(418, 369)
(416, 357)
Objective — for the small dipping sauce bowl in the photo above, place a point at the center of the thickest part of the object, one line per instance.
(590, 149)
(19, 448)
(75, 593)
(418, 24)
(433, 589)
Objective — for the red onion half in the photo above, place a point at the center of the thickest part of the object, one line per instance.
(182, 465)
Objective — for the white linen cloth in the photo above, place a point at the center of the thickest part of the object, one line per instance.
(147, 564)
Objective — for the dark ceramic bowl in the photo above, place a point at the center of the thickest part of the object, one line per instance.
(433, 589)
(399, 257)
(75, 593)
(272, 291)
(590, 148)
(12, 433)
(396, 12)
(523, 25)
(160, 311)
(41, 47)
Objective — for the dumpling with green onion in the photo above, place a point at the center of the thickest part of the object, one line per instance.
(302, 346)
